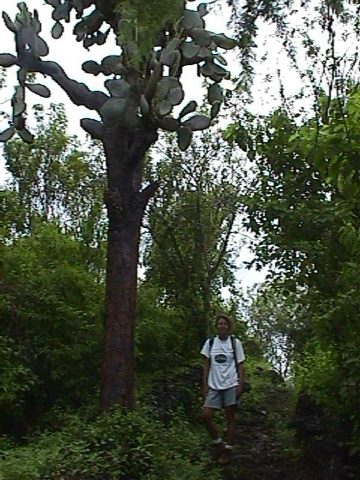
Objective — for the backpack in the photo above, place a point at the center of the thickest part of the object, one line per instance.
(247, 385)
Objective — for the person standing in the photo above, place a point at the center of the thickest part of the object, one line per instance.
(223, 383)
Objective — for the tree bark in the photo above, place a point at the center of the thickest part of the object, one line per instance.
(126, 202)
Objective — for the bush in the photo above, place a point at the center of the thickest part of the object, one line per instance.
(116, 445)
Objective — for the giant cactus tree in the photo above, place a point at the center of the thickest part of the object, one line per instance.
(155, 41)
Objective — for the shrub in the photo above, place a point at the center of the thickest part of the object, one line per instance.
(115, 445)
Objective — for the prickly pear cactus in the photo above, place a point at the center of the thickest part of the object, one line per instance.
(141, 87)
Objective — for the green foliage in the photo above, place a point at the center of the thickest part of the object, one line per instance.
(55, 179)
(192, 221)
(278, 320)
(115, 445)
(16, 378)
(318, 373)
(158, 333)
(302, 207)
(144, 22)
(51, 311)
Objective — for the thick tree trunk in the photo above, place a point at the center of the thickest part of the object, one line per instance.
(125, 203)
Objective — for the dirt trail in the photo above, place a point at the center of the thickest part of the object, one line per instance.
(264, 446)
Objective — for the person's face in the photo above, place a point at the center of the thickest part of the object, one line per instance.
(222, 327)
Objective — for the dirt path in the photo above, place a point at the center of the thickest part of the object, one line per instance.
(265, 448)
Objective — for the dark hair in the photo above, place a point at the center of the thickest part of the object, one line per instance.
(224, 317)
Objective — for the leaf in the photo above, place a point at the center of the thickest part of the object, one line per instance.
(176, 65)
(192, 19)
(189, 49)
(204, 52)
(53, 3)
(184, 138)
(57, 30)
(198, 122)
(113, 109)
(39, 89)
(62, 12)
(215, 93)
(168, 55)
(202, 9)
(163, 88)
(22, 75)
(219, 58)
(189, 108)
(164, 107)
(201, 37)
(9, 23)
(224, 42)
(26, 135)
(78, 5)
(41, 47)
(144, 106)
(7, 134)
(35, 22)
(19, 107)
(168, 58)
(213, 71)
(117, 88)
(19, 122)
(215, 108)
(7, 60)
(113, 64)
(169, 124)
(93, 127)
(207, 69)
(176, 95)
(19, 93)
(220, 70)
(92, 67)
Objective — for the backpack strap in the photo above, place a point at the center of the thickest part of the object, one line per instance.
(211, 343)
(233, 344)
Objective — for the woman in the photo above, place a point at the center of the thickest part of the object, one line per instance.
(223, 383)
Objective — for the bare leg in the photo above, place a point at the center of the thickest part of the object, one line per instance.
(207, 416)
(230, 421)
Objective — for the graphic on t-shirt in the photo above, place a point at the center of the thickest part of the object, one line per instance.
(221, 358)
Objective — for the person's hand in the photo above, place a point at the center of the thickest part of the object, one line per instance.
(239, 390)
(205, 390)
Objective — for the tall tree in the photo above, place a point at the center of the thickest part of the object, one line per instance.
(155, 42)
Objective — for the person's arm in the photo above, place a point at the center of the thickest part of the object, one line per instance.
(206, 370)
(241, 375)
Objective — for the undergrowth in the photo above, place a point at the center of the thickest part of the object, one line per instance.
(114, 445)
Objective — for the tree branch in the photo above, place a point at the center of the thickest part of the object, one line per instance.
(224, 246)
(148, 192)
(78, 92)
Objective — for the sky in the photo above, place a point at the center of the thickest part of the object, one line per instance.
(71, 55)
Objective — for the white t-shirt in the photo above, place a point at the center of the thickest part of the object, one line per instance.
(223, 372)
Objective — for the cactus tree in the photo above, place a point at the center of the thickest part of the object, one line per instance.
(143, 84)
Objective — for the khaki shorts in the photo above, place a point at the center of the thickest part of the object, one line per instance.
(221, 398)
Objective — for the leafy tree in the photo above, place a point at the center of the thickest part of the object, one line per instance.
(159, 332)
(289, 206)
(303, 210)
(51, 325)
(279, 321)
(192, 222)
(143, 88)
(319, 38)
(54, 179)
